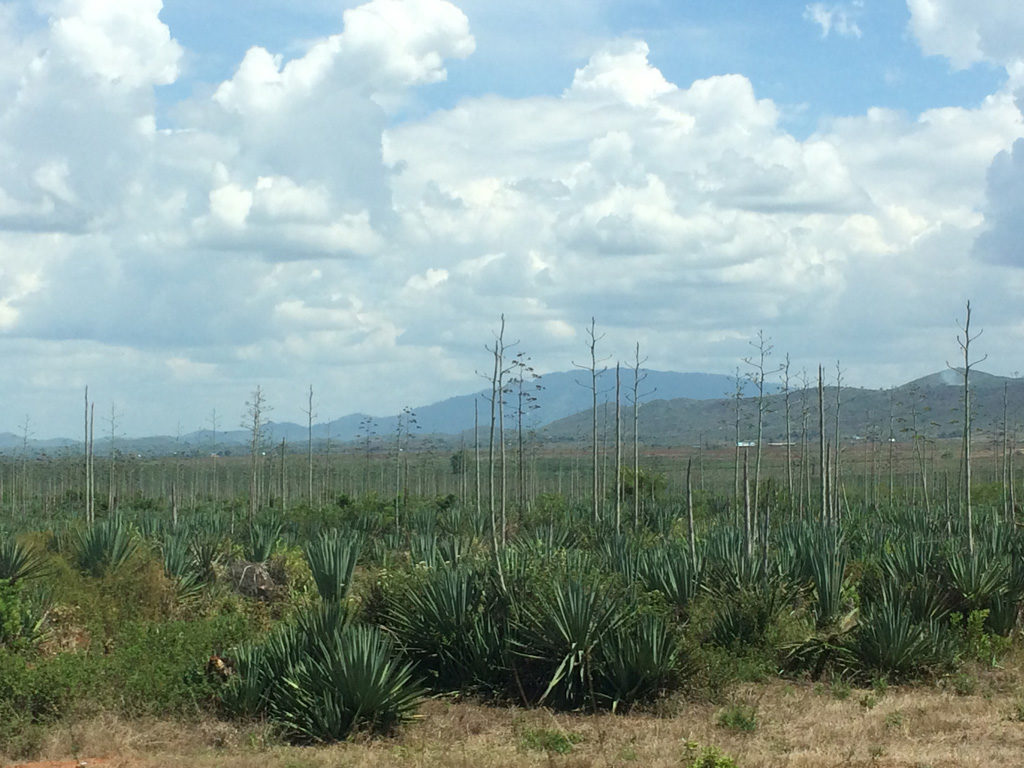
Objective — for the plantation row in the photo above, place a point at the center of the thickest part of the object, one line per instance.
(344, 619)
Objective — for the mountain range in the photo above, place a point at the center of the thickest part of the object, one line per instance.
(675, 409)
(930, 407)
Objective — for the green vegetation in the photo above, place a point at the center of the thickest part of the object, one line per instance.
(548, 740)
(696, 756)
(739, 717)
(328, 621)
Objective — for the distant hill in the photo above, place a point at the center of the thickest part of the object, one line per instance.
(563, 393)
(676, 409)
(10, 442)
(930, 406)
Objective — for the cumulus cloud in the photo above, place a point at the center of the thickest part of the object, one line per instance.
(967, 33)
(992, 32)
(693, 197)
(621, 72)
(1004, 214)
(386, 45)
(123, 45)
(284, 221)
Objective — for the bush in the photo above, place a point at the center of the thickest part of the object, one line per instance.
(549, 740)
(10, 612)
(739, 717)
(145, 668)
(22, 616)
(694, 756)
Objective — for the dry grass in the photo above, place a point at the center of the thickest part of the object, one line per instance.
(799, 725)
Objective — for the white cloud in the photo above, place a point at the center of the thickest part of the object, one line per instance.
(124, 44)
(991, 31)
(1001, 240)
(283, 222)
(188, 371)
(386, 45)
(967, 33)
(231, 204)
(623, 73)
(839, 18)
(428, 280)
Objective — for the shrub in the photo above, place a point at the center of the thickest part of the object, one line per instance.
(549, 740)
(739, 717)
(695, 756)
(974, 641)
(10, 612)
(22, 616)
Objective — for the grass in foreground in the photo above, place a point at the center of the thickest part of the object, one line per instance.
(797, 724)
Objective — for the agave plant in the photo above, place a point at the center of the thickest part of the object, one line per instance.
(553, 535)
(743, 618)
(821, 652)
(321, 677)
(923, 593)
(263, 539)
(261, 667)
(562, 629)
(332, 559)
(621, 555)
(910, 560)
(423, 548)
(248, 691)
(454, 549)
(827, 567)
(730, 569)
(152, 528)
(636, 661)
(446, 625)
(976, 580)
(320, 621)
(888, 641)
(353, 679)
(672, 571)
(103, 547)
(206, 552)
(180, 563)
(20, 562)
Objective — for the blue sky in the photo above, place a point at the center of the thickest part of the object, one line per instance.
(527, 49)
(196, 198)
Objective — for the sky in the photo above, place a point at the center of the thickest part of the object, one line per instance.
(200, 198)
